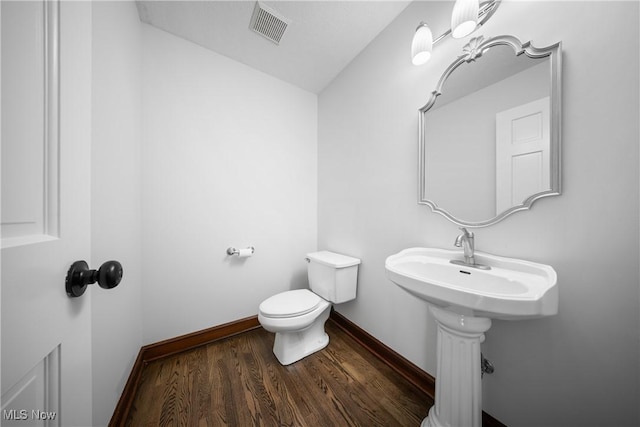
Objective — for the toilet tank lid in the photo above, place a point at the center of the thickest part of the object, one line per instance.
(333, 259)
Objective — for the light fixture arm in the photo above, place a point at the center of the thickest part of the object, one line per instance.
(487, 9)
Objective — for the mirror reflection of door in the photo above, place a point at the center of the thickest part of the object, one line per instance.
(522, 153)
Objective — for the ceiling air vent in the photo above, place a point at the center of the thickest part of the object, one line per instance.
(269, 23)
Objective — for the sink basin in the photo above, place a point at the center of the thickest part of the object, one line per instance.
(512, 289)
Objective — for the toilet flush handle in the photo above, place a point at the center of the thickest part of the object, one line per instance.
(307, 259)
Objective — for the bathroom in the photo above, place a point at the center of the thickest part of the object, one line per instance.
(192, 152)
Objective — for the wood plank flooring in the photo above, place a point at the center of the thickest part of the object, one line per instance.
(238, 381)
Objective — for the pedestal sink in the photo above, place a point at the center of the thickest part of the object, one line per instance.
(464, 302)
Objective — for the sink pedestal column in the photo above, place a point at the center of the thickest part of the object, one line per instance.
(458, 400)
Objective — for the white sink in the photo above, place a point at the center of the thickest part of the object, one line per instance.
(511, 289)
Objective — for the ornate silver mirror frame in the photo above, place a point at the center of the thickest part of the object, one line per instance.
(471, 52)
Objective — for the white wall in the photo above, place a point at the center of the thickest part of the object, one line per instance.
(228, 159)
(115, 201)
(580, 367)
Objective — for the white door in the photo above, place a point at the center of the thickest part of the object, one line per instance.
(46, 136)
(522, 153)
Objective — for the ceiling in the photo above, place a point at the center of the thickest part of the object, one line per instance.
(320, 40)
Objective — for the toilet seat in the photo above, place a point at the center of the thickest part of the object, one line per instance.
(290, 304)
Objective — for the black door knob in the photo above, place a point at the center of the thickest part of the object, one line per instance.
(80, 276)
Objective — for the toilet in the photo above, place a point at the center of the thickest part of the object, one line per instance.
(297, 317)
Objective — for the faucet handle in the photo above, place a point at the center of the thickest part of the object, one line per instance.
(466, 232)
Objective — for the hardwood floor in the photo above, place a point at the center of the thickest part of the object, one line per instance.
(238, 381)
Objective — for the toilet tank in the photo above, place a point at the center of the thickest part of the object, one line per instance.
(333, 276)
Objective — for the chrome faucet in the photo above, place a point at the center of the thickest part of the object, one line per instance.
(466, 242)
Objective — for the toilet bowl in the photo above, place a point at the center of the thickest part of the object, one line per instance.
(297, 317)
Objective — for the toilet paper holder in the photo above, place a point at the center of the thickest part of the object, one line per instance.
(234, 251)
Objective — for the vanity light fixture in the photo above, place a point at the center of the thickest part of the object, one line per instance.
(467, 16)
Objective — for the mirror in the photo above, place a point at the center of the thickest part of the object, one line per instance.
(490, 132)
